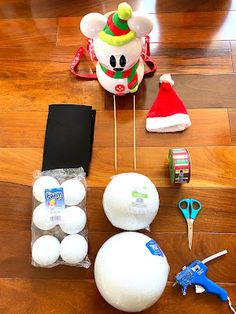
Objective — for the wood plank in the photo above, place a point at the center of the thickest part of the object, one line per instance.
(192, 58)
(15, 255)
(181, 27)
(44, 9)
(41, 296)
(212, 166)
(233, 48)
(232, 120)
(196, 91)
(218, 207)
(168, 27)
(16, 127)
(20, 33)
(29, 95)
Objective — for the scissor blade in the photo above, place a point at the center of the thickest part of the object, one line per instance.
(190, 232)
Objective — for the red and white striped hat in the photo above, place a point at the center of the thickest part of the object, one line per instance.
(168, 113)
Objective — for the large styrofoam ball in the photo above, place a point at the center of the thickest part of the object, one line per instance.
(92, 23)
(41, 184)
(130, 201)
(140, 23)
(131, 271)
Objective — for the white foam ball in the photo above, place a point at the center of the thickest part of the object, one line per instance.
(74, 192)
(46, 250)
(128, 274)
(41, 218)
(73, 249)
(41, 184)
(73, 220)
(130, 201)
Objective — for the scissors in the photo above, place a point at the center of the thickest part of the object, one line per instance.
(190, 209)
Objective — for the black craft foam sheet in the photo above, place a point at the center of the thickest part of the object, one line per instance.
(69, 137)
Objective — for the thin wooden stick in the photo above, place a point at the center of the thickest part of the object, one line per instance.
(134, 133)
(115, 135)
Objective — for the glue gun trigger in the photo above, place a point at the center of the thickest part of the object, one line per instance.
(199, 289)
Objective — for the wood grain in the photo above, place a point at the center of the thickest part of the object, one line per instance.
(41, 296)
(21, 33)
(232, 120)
(15, 256)
(193, 26)
(218, 207)
(192, 58)
(211, 166)
(233, 48)
(16, 127)
(196, 91)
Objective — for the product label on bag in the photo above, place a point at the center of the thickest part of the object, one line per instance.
(54, 201)
(154, 248)
(139, 199)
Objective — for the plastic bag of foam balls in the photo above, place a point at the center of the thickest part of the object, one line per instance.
(59, 220)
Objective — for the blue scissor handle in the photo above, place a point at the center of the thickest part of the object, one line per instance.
(188, 210)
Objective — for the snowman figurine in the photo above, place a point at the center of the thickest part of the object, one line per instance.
(117, 39)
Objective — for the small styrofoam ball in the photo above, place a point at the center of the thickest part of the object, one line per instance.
(46, 250)
(92, 23)
(123, 209)
(41, 218)
(73, 220)
(140, 23)
(41, 184)
(73, 249)
(128, 274)
(74, 192)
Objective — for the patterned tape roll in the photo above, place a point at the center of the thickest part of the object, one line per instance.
(179, 165)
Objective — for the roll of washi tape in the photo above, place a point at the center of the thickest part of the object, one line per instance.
(179, 165)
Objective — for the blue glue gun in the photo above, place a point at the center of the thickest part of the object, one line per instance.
(195, 274)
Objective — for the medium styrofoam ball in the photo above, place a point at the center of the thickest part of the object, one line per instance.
(41, 218)
(73, 220)
(41, 184)
(92, 23)
(130, 201)
(46, 250)
(74, 192)
(131, 271)
(73, 249)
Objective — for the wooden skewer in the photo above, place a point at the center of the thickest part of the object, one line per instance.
(115, 135)
(134, 134)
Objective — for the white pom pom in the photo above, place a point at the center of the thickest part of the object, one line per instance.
(92, 23)
(166, 78)
(140, 24)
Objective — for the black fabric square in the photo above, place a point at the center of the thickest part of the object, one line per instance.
(69, 137)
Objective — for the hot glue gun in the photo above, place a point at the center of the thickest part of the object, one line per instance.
(195, 274)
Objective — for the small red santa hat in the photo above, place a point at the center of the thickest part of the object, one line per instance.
(168, 113)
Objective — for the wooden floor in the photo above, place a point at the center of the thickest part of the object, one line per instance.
(195, 41)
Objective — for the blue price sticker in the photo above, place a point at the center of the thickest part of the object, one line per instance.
(154, 248)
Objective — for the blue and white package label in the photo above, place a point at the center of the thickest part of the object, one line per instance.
(55, 203)
(154, 248)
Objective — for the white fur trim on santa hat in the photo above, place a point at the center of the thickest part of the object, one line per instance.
(166, 78)
(176, 122)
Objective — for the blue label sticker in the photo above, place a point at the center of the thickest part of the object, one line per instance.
(54, 201)
(154, 248)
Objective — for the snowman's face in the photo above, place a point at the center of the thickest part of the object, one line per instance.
(118, 58)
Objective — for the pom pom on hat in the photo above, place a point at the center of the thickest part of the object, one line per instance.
(168, 113)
